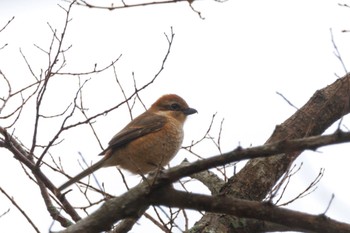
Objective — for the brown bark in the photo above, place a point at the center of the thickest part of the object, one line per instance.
(258, 177)
(157, 190)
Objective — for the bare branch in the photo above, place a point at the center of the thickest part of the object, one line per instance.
(8, 22)
(5, 99)
(94, 71)
(249, 209)
(48, 75)
(122, 90)
(5, 212)
(290, 103)
(311, 188)
(337, 52)
(83, 111)
(124, 5)
(155, 222)
(329, 204)
(38, 80)
(205, 136)
(22, 155)
(210, 180)
(194, 10)
(20, 107)
(170, 41)
(283, 182)
(20, 210)
(143, 195)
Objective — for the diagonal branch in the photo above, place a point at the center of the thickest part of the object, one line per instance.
(258, 176)
(20, 210)
(22, 155)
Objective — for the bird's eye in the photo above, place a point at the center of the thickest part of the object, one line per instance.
(175, 106)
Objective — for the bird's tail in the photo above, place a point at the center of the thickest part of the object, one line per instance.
(84, 173)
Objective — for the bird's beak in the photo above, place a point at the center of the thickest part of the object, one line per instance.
(189, 111)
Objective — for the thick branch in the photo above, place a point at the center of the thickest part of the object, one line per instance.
(258, 177)
(325, 107)
(130, 204)
(270, 149)
(137, 199)
(248, 209)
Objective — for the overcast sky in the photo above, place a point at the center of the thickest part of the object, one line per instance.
(231, 63)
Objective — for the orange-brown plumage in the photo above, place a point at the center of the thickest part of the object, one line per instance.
(148, 142)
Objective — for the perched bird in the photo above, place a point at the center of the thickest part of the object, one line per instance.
(148, 142)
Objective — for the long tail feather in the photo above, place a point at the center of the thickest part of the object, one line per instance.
(84, 173)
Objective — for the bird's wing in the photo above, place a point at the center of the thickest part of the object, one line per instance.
(140, 126)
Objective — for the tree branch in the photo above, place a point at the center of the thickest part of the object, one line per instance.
(248, 209)
(20, 210)
(267, 150)
(21, 155)
(258, 176)
(138, 199)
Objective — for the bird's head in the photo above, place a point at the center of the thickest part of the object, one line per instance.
(174, 106)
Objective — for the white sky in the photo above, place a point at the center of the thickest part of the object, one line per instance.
(232, 63)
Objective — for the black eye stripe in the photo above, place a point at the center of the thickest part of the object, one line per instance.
(172, 106)
(175, 107)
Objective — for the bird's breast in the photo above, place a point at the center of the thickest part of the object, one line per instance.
(151, 151)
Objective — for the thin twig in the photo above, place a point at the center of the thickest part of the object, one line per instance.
(290, 103)
(124, 5)
(94, 71)
(20, 209)
(5, 212)
(329, 204)
(155, 222)
(122, 90)
(309, 189)
(336, 51)
(8, 22)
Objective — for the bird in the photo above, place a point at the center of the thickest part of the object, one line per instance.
(148, 142)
